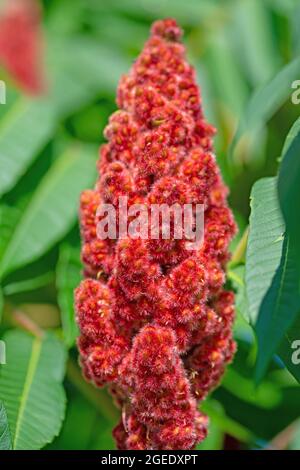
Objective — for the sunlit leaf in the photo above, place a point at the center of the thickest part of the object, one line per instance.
(29, 284)
(23, 133)
(288, 188)
(278, 310)
(9, 217)
(232, 90)
(265, 243)
(31, 388)
(289, 347)
(214, 439)
(266, 101)
(271, 274)
(257, 43)
(185, 12)
(83, 69)
(5, 438)
(67, 279)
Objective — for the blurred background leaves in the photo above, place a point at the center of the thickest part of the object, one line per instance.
(246, 53)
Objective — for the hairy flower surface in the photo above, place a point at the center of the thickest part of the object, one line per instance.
(155, 321)
(21, 43)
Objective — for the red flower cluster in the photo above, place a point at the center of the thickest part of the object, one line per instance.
(21, 43)
(155, 321)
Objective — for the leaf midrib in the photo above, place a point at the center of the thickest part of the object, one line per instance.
(32, 366)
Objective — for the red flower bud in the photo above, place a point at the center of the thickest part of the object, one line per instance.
(155, 321)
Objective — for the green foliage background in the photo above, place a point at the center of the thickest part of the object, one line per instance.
(247, 55)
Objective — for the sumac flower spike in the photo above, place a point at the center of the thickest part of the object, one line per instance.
(155, 321)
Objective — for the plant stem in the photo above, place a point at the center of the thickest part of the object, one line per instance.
(282, 440)
(239, 252)
(20, 319)
(98, 398)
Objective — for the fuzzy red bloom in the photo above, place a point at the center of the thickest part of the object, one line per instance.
(21, 43)
(155, 321)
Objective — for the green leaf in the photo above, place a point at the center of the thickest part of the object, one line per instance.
(256, 40)
(267, 395)
(237, 277)
(271, 274)
(188, 12)
(62, 17)
(293, 133)
(91, 436)
(83, 69)
(265, 243)
(214, 439)
(266, 101)
(288, 347)
(23, 133)
(52, 209)
(78, 411)
(29, 284)
(295, 441)
(5, 439)
(67, 279)
(31, 388)
(288, 188)
(232, 90)
(278, 310)
(8, 219)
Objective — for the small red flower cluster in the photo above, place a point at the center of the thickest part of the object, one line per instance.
(155, 321)
(21, 43)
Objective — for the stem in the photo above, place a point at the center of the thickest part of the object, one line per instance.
(20, 319)
(282, 440)
(29, 284)
(98, 398)
(239, 252)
